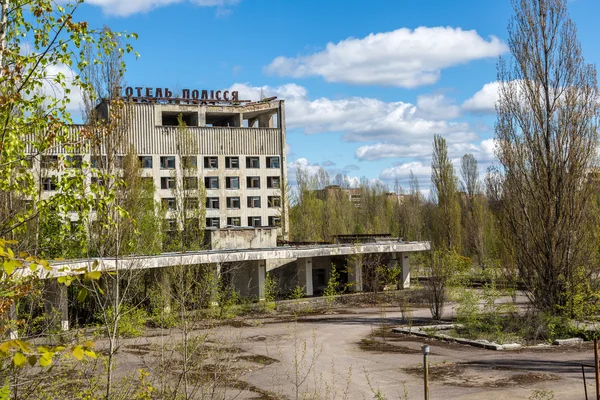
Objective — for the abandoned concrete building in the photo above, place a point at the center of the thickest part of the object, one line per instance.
(234, 148)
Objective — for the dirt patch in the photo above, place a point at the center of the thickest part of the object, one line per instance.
(384, 347)
(258, 359)
(456, 374)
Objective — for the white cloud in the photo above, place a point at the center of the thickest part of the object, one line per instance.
(360, 119)
(437, 107)
(484, 101)
(401, 172)
(51, 89)
(402, 58)
(483, 152)
(128, 7)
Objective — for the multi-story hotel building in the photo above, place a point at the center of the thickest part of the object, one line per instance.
(237, 149)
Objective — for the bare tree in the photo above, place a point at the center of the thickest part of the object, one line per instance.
(473, 208)
(547, 132)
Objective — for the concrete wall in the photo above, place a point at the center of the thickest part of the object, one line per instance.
(241, 238)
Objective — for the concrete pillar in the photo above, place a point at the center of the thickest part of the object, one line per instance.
(216, 270)
(202, 116)
(238, 120)
(355, 274)
(56, 304)
(252, 122)
(164, 282)
(258, 273)
(265, 121)
(405, 270)
(305, 276)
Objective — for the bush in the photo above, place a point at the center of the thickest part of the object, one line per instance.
(132, 320)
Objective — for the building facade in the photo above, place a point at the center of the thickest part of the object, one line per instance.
(234, 149)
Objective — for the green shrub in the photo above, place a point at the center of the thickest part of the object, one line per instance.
(132, 320)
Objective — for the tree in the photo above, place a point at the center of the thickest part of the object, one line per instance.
(445, 190)
(473, 208)
(546, 133)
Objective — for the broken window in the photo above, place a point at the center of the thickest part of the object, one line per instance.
(233, 202)
(232, 162)
(253, 182)
(211, 182)
(167, 162)
(234, 221)
(274, 221)
(213, 223)
(232, 182)
(253, 201)
(254, 221)
(211, 162)
(169, 203)
(272, 162)
(274, 201)
(212, 203)
(167, 182)
(145, 161)
(252, 162)
(273, 182)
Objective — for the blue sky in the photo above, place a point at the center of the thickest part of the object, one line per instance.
(366, 84)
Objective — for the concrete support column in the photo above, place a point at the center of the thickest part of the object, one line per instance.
(252, 122)
(216, 271)
(405, 261)
(56, 304)
(305, 276)
(202, 116)
(164, 283)
(258, 273)
(265, 121)
(355, 274)
(238, 120)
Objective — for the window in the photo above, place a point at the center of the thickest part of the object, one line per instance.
(252, 162)
(167, 162)
(273, 182)
(145, 161)
(232, 182)
(49, 162)
(192, 203)
(232, 162)
(253, 201)
(272, 162)
(49, 184)
(212, 203)
(211, 182)
(120, 161)
(171, 118)
(211, 162)
(253, 182)
(189, 162)
(167, 182)
(274, 221)
(169, 203)
(74, 161)
(234, 221)
(98, 161)
(170, 225)
(213, 223)
(233, 202)
(190, 182)
(254, 221)
(274, 201)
